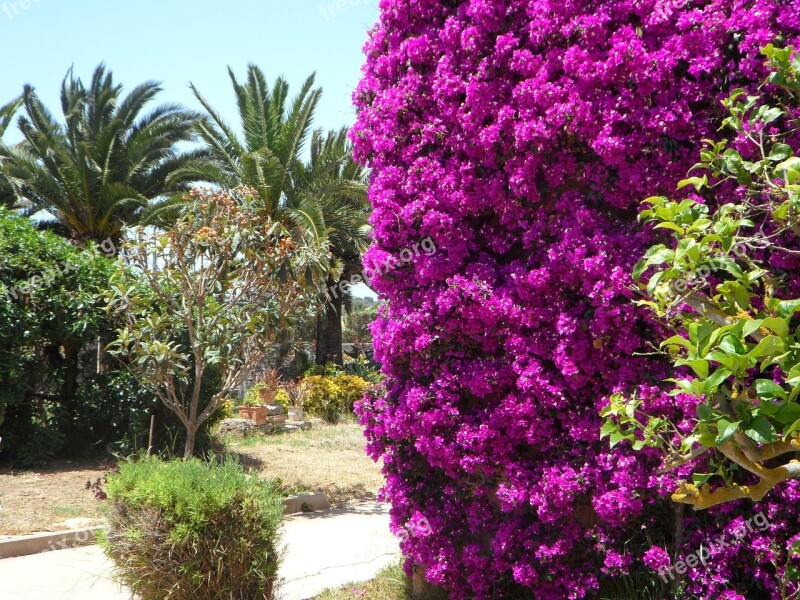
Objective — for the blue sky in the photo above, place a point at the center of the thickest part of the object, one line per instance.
(178, 41)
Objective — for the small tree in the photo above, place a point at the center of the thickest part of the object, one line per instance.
(218, 290)
(725, 290)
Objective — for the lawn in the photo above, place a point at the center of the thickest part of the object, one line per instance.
(327, 458)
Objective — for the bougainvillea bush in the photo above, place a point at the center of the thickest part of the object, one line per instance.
(522, 135)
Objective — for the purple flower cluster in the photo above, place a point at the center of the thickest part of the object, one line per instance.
(521, 136)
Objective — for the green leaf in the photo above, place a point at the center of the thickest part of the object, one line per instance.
(762, 431)
(719, 376)
(777, 326)
(793, 377)
(790, 169)
(788, 414)
(726, 264)
(780, 152)
(677, 340)
(731, 344)
(638, 269)
(698, 182)
(699, 366)
(787, 308)
(707, 439)
(769, 389)
(790, 430)
(768, 346)
(751, 325)
(671, 226)
(701, 478)
(704, 412)
(726, 430)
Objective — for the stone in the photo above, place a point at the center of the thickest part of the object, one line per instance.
(236, 427)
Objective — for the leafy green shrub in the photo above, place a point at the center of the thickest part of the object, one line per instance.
(190, 530)
(331, 398)
(51, 316)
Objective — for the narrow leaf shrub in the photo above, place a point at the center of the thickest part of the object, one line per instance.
(190, 530)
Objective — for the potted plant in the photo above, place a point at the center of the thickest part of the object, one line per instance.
(297, 392)
(252, 409)
(268, 387)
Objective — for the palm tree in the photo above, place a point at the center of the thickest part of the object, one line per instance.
(338, 184)
(6, 116)
(323, 199)
(99, 170)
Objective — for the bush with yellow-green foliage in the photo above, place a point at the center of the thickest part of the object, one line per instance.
(225, 410)
(190, 530)
(282, 398)
(331, 398)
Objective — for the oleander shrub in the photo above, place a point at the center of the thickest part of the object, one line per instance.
(333, 398)
(190, 530)
(521, 137)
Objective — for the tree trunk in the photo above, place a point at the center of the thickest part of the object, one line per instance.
(329, 329)
(188, 449)
(71, 372)
(319, 357)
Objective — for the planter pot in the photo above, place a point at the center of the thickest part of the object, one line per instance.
(267, 396)
(256, 414)
(295, 413)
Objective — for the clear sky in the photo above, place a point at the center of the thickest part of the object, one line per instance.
(178, 41)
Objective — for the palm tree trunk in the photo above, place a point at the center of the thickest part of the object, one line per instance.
(329, 330)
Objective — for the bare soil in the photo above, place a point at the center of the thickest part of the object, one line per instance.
(53, 498)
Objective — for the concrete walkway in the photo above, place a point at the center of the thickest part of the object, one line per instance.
(324, 549)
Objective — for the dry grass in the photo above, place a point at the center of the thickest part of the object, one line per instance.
(390, 584)
(327, 458)
(44, 499)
